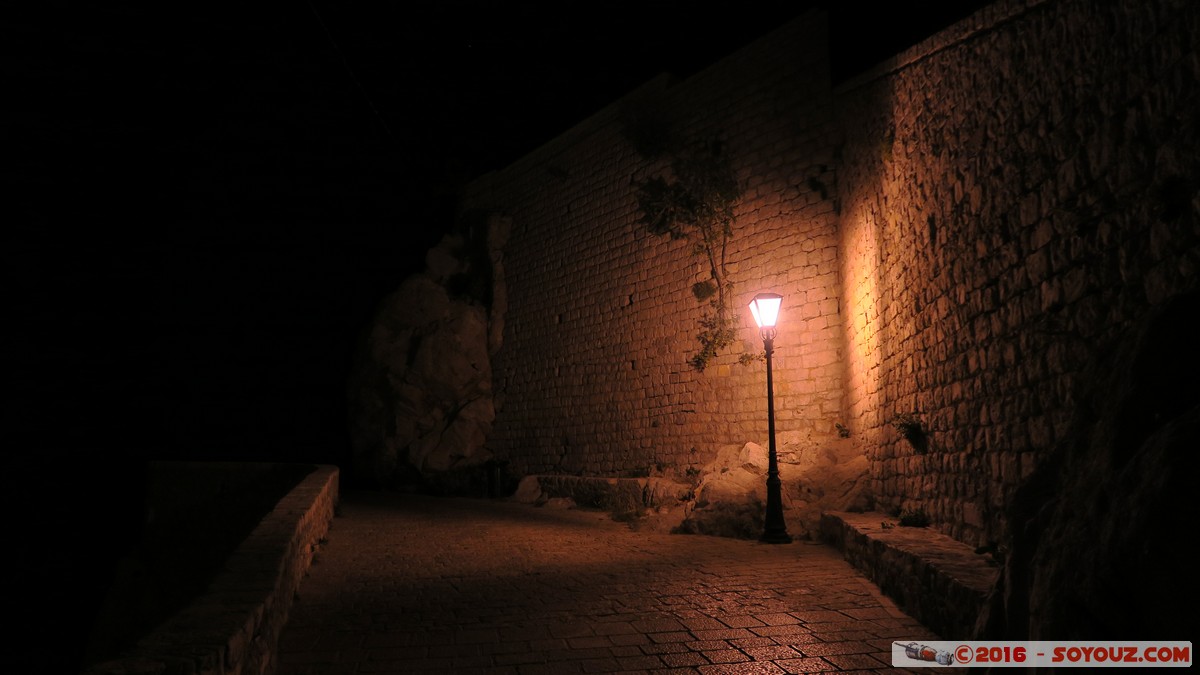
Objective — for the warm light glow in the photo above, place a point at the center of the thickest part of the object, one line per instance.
(765, 308)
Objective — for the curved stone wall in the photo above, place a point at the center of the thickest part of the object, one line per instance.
(1015, 191)
(956, 233)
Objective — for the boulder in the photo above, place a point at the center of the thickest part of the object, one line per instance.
(529, 491)
(830, 475)
(731, 494)
(815, 477)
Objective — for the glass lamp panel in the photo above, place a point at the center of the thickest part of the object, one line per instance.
(765, 308)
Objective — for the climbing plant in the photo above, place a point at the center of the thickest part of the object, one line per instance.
(693, 199)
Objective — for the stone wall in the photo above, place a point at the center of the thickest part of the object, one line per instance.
(1014, 191)
(594, 377)
(234, 627)
(956, 232)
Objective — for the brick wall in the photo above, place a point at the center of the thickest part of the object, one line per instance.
(956, 233)
(1008, 205)
(593, 376)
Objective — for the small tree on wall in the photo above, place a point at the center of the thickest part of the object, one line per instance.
(694, 200)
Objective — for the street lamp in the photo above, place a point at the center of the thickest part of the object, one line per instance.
(765, 308)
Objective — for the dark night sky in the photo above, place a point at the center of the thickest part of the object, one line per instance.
(211, 199)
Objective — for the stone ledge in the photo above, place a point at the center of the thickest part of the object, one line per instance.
(234, 628)
(940, 581)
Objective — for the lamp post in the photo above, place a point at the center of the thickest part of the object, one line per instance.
(765, 308)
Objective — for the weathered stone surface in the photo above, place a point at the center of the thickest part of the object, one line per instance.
(443, 261)
(731, 495)
(529, 491)
(421, 397)
(605, 493)
(460, 439)
(736, 474)
(732, 491)
(829, 476)
(450, 361)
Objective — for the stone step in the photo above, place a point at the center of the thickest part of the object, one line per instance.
(940, 581)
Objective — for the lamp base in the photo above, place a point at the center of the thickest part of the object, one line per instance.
(775, 537)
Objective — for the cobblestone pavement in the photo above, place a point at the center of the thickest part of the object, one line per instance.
(408, 584)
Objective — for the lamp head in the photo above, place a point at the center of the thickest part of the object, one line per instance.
(765, 308)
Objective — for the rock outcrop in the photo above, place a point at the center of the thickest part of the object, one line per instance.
(830, 476)
(421, 404)
(732, 493)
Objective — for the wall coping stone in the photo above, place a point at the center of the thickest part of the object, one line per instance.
(234, 627)
(988, 18)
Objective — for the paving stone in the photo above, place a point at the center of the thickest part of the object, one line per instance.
(826, 648)
(600, 665)
(416, 584)
(578, 654)
(636, 662)
(726, 656)
(806, 665)
(682, 636)
(752, 668)
(778, 619)
(858, 661)
(589, 642)
(658, 626)
(795, 639)
(745, 643)
(786, 629)
(742, 621)
(707, 645)
(845, 635)
(684, 659)
(724, 634)
(559, 668)
(703, 623)
(614, 628)
(771, 653)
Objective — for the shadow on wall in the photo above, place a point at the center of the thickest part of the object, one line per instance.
(1096, 540)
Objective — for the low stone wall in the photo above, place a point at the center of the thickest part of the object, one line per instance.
(940, 581)
(234, 628)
